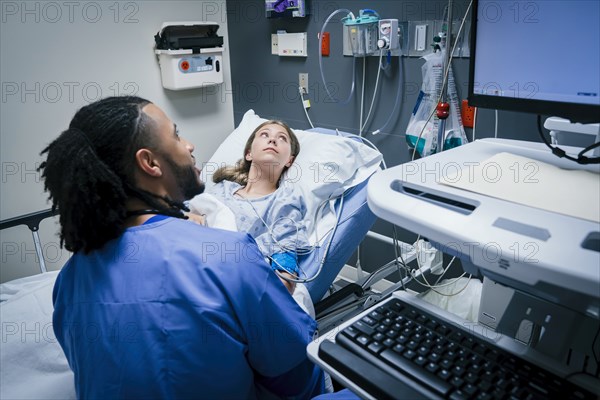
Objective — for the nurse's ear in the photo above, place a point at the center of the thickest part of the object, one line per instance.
(148, 163)
(291, 160)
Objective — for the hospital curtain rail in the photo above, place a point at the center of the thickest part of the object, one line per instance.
(32, 221)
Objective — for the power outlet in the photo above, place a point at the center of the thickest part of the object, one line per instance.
(468, 114)
(303, 82)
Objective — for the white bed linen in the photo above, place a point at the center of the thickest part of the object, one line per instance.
(32, 363)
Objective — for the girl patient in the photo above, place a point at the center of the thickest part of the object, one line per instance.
(265, 205)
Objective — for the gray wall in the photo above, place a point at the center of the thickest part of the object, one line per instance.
(58, 56)
(268, 83)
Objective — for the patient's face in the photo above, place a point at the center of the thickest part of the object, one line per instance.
(272, 146)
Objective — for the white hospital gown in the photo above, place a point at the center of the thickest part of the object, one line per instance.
(283, 211)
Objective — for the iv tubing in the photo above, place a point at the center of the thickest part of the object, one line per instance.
(398, 96)
(321, 59)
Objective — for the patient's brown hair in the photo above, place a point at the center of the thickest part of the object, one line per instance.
(239, 172)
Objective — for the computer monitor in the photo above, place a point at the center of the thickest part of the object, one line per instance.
(540, 57)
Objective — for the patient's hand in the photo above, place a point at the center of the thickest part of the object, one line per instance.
(289, 285)
(199, 219)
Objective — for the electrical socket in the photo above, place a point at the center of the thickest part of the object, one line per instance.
(468, 114)
(303, 82)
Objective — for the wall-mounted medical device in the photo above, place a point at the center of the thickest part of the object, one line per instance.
(388, 34)
(362, 32)
(190, 55)
(368, 35)
(286, 8)
(286, 44)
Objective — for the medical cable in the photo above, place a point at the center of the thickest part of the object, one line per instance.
(557, 151)
(426, 283)
(437, 285)
(303, 251)
(296, 249)
(496, 125)
(474, 123)
(322, 262)
(379, 68)
(362, 96)
(399, 255)
(301, 90)
(398, 96)
(321, 58)
(446, 72)
(443, 272)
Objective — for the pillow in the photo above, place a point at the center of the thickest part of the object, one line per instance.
(326, 166)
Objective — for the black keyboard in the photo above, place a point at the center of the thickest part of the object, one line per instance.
(400, 351)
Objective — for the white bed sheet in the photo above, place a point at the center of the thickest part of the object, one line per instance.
(32, 363)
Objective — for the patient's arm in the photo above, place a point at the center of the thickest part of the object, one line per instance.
(289, 285)
(199, 219)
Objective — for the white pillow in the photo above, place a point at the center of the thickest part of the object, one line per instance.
(326, 166)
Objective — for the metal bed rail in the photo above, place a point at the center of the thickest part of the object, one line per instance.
(32, 221)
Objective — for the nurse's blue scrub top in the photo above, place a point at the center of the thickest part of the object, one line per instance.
(172, 309)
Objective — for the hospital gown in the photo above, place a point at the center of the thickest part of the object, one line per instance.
(275, 221)
(155, 315)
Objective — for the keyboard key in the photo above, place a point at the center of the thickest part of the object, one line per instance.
(420, 360)
(362, 339)
(364, 328)
(470, 389)
(471, 377)
(351, 331)
(412, 345)
(423, 351)
(399, 348)
(409, 354)
(376, 316)
(402, 339)
(396, 305)
(391, 333)
(427, 378)
(369, 321)
(376, 347)
(432, 367)
(380, 337)
(456, 381)
(444, 374)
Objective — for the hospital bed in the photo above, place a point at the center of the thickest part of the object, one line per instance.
(329, 168)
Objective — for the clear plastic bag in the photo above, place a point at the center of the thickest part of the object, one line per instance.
(454, 134)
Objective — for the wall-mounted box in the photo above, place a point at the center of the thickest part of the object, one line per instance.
(292, 44)
(190, 55)
(399, 50)
(286, 8)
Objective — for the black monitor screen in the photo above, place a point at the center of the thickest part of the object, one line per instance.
(539, 57)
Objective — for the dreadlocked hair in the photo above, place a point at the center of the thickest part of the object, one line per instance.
(88, 171)
(239, 172)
